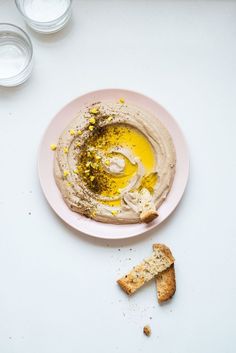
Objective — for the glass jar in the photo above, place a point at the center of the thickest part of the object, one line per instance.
(16, 54)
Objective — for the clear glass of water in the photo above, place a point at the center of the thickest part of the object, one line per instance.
(16, 54)
(45, 16)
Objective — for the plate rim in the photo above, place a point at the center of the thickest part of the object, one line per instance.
(131, 233)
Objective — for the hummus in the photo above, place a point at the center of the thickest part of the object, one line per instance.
(115, 163)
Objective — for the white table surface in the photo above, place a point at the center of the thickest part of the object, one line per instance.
(58, 291)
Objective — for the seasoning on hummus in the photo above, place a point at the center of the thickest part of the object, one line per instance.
(124, 160)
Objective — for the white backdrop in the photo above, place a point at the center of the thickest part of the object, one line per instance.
(58, 289)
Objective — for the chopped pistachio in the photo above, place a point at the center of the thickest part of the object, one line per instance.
(107, 162)
(53, 147)
(91, 127)
(114, 212)
(92, 177)
(68, 184)
(65, 149)
(72, 132)
(66, 173)
(93, 111)
(78, 144)
(122, 100)
(75, 171)
(92, 120)
(79, 132)
(94, 165)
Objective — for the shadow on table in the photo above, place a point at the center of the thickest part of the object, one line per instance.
(8, 92)
(52, 37)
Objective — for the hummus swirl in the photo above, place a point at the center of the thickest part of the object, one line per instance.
(114, 162)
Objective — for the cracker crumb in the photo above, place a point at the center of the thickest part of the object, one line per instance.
(147, 330)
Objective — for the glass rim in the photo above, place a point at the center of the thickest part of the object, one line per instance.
(40, 22)
(29, 61)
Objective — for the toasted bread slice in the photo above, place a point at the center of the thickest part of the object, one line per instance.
(160, 260)
(165, 281)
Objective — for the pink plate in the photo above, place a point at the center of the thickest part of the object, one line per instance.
(86, 225)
